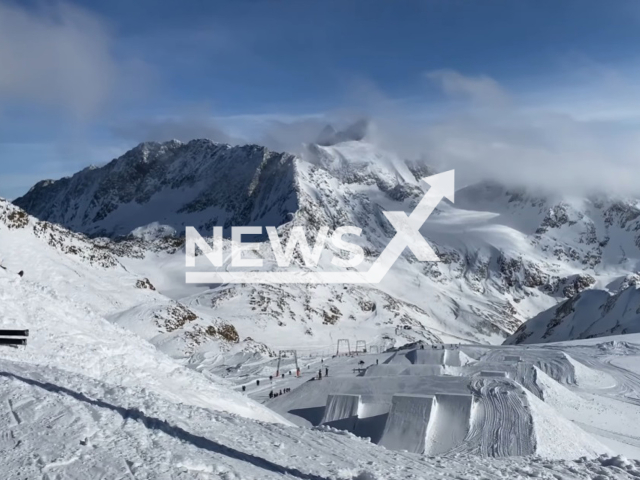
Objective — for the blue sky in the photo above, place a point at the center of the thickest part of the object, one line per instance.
(82, 81)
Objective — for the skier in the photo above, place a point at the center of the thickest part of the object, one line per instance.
(376, 361)
(271, 394)
(320, 374)
(326, 371)
(244, 388)
(257, 383)
(271, 378)
(21, 273)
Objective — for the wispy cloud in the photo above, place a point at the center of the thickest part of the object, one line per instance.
(58, 55)
(481, 89)
(586, 140)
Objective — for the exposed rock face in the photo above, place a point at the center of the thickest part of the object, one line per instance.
(200, 184)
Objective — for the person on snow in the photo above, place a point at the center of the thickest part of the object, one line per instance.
(320, 374)
(326, 371)
(271, 394)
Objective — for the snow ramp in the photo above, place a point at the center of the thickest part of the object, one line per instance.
(407, 423)
(447, 357)
(429, 424)
(449, 424)
(341, 411)
(399, 369)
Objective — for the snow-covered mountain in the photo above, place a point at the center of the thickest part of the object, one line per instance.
(507, 254)
(198, 184)
(592, 313)
(88, 272)
(103, 385)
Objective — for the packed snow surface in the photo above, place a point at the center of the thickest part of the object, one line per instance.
(502, 402)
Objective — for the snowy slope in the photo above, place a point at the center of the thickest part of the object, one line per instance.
(554, 401)
(68, 335)
(88, 273)
(86, 399)
(592, 313)
(61, 425)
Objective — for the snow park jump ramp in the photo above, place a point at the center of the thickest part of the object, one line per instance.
(449, 423)
(430, 356)
(406, 425)
(480, 409)
(429, 424)
(341, 411)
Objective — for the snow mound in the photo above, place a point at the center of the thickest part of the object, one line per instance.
(590, 378)
(557, 437)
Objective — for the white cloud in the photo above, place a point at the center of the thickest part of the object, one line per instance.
(182, 127)
(573, 144)
(480, 89)
(57, 55)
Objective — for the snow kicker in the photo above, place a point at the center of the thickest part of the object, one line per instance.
(430, 402)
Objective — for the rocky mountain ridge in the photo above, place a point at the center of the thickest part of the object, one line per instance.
(507, 254)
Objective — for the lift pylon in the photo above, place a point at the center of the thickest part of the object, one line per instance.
(295, 357)
(344, 342)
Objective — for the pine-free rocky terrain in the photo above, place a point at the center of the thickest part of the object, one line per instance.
(131, 373)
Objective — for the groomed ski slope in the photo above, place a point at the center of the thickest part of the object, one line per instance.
(87, 399)
(56, 424)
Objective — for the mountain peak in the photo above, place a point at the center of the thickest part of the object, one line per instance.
(354, 132)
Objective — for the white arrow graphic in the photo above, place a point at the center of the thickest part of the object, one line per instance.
(407, 235)
(408, 228)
